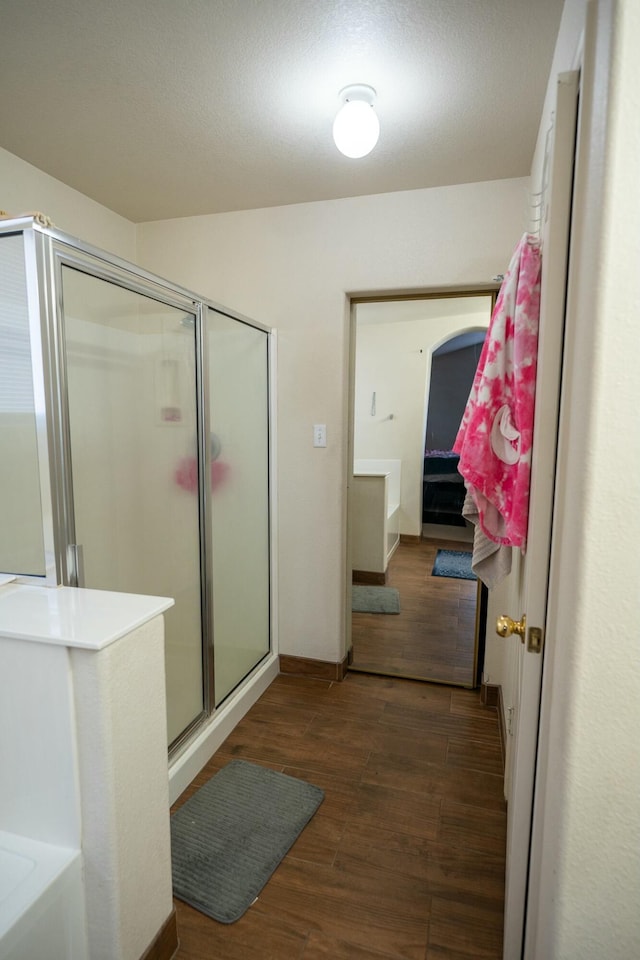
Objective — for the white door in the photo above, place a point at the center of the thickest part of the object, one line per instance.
(529, 590)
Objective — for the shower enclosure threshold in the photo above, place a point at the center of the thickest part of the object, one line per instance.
(195, 754)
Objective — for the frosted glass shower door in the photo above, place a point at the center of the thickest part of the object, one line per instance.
(130, 367)
(22, 549)
(238, 394)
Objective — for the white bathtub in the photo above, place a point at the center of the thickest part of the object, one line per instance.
(42, 914)
(375, 514)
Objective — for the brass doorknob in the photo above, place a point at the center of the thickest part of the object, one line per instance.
(505, 626)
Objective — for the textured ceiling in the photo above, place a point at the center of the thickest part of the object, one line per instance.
(169, 108)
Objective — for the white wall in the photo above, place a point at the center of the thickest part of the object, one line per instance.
(24, 189)
(291, 267)
(394, 360)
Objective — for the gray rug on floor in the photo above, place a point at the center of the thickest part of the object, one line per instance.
(230, 836)
(375, 599)
(453, 563)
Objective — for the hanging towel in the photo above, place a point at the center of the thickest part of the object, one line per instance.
(495, 436)
(490, 561)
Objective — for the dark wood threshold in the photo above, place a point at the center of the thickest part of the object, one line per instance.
(491, 696)
(406, 675)
(317, 669)
(165, 943)
(410, 538)
(369, 577)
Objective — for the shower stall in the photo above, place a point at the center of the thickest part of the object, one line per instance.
(135, 456)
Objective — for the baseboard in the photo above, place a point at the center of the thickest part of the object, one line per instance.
(316, 669)
(503, 727)
(369, 578)
(410, 538)
(165, 943)
(491, 696)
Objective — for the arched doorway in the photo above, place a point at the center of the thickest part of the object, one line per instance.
(453, 367)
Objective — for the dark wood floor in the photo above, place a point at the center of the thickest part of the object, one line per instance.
(433, 636)
(405, 858)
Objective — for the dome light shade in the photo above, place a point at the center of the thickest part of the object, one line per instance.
(356, 127)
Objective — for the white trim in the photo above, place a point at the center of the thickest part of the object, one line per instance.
(273, 490)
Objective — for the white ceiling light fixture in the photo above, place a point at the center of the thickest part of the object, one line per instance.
(356, 127)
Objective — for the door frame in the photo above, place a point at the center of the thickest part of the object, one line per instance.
(353, 300)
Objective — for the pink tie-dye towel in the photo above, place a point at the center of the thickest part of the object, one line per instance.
(495, 436)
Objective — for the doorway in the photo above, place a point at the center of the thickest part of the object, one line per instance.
(436, 633)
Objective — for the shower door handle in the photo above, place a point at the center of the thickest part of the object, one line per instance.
(75, 564)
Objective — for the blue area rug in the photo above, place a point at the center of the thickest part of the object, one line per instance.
(453, 563)
(230, 836)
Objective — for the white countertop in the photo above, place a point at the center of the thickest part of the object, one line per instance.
(72, 617)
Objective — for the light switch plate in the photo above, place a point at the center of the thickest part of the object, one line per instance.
(319, 434)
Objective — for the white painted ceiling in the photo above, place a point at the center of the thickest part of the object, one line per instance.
(169, 108)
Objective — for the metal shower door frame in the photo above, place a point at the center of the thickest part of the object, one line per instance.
(47, 252)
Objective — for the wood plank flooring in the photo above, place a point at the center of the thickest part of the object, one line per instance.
(405, 858)
(433, 636)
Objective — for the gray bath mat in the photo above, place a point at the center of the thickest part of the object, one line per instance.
(375, 599)
(230, 836)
